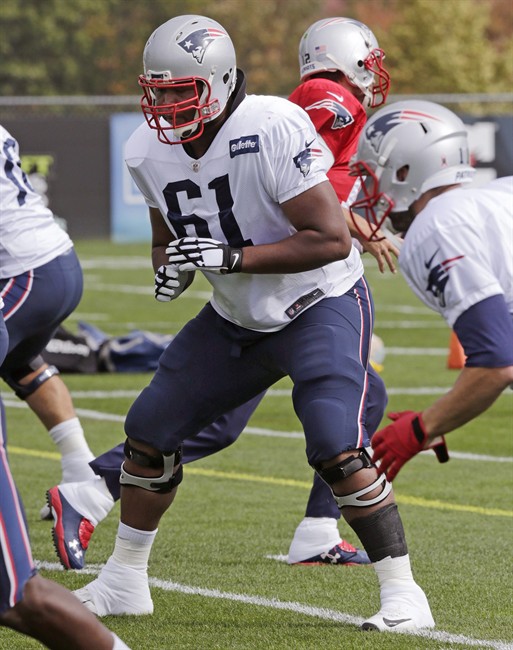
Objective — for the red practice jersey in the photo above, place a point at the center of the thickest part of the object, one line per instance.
(338, 118)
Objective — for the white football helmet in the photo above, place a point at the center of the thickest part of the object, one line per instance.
(349, 46)
(191, 54)
(406, 149)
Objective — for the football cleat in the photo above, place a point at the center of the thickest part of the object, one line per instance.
(71, 531)
(343, 553)
(404, 608)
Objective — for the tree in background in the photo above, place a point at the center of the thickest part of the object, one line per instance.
(444, 46)
(94, 47)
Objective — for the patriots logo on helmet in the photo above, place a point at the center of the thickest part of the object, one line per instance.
(376, 131)
(439, 276)
(196, 43)
(342, 116)
(303, 161)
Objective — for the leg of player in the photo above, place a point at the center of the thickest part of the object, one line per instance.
(36, 302)
(149, 484)
(332, 419)
(78, 507)
(52, 404)
(368, 506)
(51, 614)
(29, 603)
(317, 538)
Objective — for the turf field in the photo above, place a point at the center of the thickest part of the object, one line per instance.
(216, 575)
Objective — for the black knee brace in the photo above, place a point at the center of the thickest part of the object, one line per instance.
(162, 484)
(344, 469)
(13, 377)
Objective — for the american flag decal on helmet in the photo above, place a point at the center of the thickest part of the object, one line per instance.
(196, 42)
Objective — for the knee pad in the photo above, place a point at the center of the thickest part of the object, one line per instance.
(344, 470)
(162, 484)
(13, 377)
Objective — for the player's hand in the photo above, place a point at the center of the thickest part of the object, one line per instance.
(376, 242)
(193, 253)
(384, 251)
(398, 442)
(169, 283)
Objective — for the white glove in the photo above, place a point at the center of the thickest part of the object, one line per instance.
(169, 283)
(192, 253)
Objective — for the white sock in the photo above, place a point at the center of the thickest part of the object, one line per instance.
(75, 453)
(314, 535)
(394, 568)
(132, 547)
(118, 644)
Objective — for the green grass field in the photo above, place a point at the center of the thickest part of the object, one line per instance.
(215, 585)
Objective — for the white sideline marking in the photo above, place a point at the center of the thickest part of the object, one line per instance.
(116, 263)
(146, 290)
(410, 324)
(421, 352)
(291, 606)
(256, 431)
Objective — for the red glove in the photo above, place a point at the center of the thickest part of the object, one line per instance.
(398, 442)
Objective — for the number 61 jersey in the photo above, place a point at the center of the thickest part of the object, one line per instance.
(264, 154)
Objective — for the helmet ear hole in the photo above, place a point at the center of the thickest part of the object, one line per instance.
(402, 173)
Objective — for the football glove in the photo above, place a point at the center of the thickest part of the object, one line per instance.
(169, 283)
(398, 442)
(193, 253)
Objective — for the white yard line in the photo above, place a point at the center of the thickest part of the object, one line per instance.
(295, 607)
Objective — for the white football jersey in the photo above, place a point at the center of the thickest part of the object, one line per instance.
(264, 154)
(459, 249)
(29, 235)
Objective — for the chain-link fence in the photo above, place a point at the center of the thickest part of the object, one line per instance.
(476, 104)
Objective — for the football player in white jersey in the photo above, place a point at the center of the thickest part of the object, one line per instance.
(457, 257)
(235, 190)
(41, 284)
(342, 72)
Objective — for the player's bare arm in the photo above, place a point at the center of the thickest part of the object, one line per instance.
(322, 236)
(160, 237)
(475, 390)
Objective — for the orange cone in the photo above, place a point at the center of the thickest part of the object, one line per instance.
(456, 358)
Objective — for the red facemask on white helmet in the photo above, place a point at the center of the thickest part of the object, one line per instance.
(191, 57)
(349, 46)
(406, 149)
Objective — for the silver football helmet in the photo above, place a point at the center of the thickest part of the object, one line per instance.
(349, 46)
(406, 149)
(194, 57)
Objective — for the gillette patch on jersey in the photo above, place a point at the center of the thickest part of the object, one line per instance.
(247, 144)
(303, 302)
